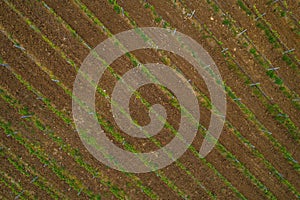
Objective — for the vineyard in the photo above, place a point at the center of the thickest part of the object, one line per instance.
(255, 45)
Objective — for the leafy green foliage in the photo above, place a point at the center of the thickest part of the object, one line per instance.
(244, 7)
(226, 22)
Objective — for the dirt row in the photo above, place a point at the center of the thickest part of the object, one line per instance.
(6, 192)
(25, 181)
(274, 126)
(140, 12)
(73, 142)
(289, 75)
(68, 133)
(287, 36)
(47, 34)
(292, 7)
(221, 63)
(22, 180)
(137, 11)
(243, 57)
(11, 191)
(169, 169)
(53, 151)
(173, 170)
(187, 181)
(19, 150)
(60, 129)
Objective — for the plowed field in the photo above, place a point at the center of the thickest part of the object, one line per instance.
(255, 45)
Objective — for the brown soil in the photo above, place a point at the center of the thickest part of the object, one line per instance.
(245, 127)
(92, 35)
(273, 54)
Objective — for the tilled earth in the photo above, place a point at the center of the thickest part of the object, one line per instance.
(42, 45)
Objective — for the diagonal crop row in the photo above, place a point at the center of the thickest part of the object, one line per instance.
(230, 22)
(36, 149)
(287, 155)
(164, 178)
(219, 42)
(40, 125)
(14, 186)
(67, 120)
(115, 190)
(259, 56)
(271, 70)
(124, 12)
(250, 79)
(30, 172)
(271, 34)
(109, 128)
(274, 108)
(276, 112)
(121, 9)
(274, 39)
(268, 164)
(284, 12)
(65, 146)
